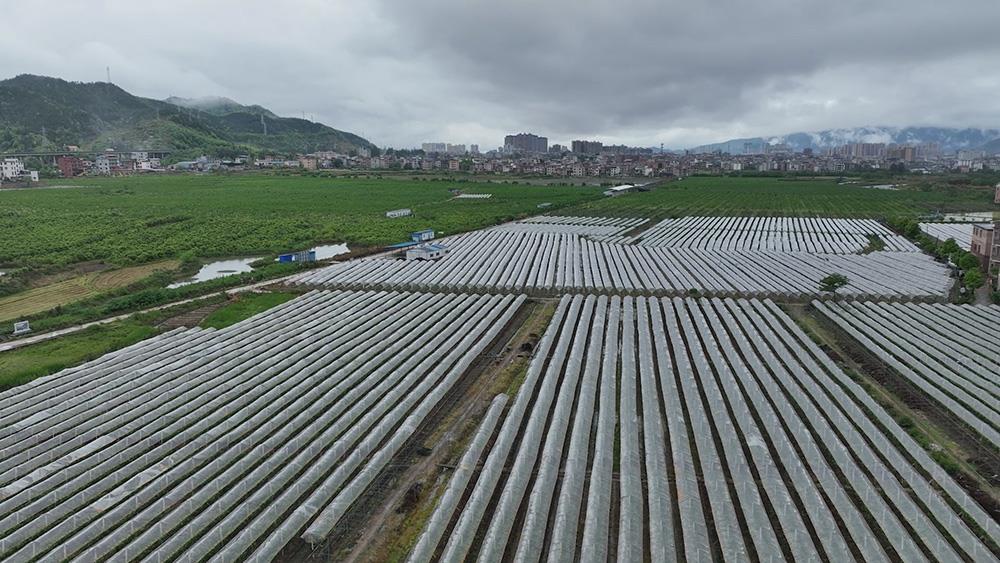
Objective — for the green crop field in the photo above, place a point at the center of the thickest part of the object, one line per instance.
(141, 219)
(713, 195)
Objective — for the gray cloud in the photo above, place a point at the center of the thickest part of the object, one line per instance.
(639, 72)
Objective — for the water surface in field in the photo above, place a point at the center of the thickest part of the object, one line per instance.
(218, 269)
(325, 251)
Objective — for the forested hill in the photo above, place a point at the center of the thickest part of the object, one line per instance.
(39, 113)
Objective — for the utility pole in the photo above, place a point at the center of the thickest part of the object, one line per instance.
(263, 124)
(108, 68)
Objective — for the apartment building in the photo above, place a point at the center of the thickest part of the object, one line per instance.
(525, 142)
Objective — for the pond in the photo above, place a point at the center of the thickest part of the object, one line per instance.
(218, 269)
(325, 251)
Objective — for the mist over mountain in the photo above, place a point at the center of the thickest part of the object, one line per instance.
(218, 105)
(39, 114)
(947, 139)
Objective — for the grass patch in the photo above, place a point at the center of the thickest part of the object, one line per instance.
(245, 306)
(875, 244)
(24, 364)
(414, 524)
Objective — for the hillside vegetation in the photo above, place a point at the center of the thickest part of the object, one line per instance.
(101, 115)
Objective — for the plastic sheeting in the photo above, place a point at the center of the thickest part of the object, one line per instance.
(748, 438)
(549, 263)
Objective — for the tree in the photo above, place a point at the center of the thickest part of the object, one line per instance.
(832, 283)
(973, 279)
(968, 261)
(949, 247)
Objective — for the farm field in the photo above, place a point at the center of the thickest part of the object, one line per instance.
(607, 229)
(551, 263)
(714, 195)
(649, 399)
(820, 235)
(720, 416)
(950, 353)
(257, 434)
(145, 218)
(81, 287)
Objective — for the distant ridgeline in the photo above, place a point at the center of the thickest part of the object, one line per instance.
(945, 139)
(42, 114)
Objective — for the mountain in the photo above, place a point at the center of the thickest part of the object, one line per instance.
(218, 105)
(39, 113)
(948, 139)
(992, 147)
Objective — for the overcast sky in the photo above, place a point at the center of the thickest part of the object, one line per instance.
(635, 72)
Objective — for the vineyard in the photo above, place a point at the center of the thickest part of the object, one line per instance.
(140, 219)
(719, 416)
(714, 195)
(548, 263)
(949, 352)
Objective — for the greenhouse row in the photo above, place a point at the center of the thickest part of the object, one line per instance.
(553, 263)
(951, 353)
(623, 222)
(777, 234)
(598, 228)
(961, 233)
(229, 444)
(664, 429)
